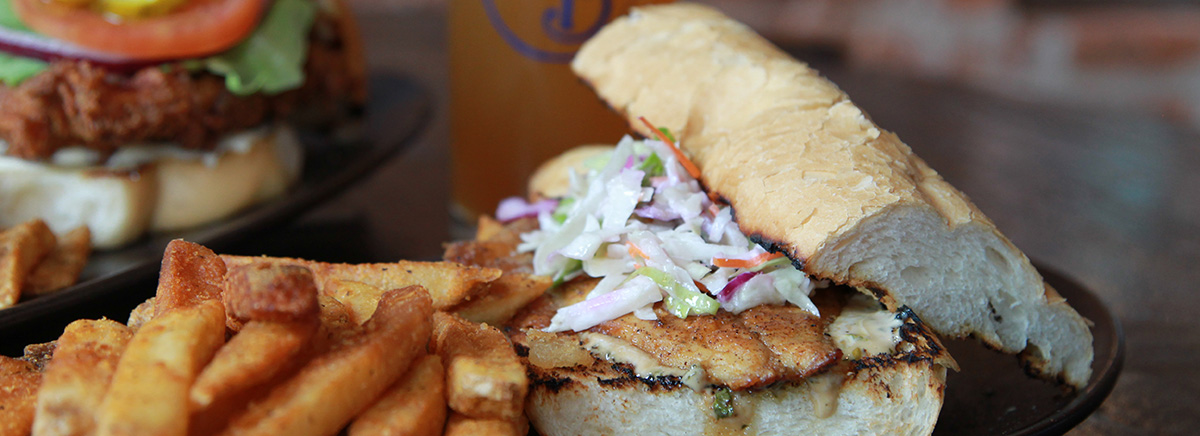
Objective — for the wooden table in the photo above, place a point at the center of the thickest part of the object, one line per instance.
(1109, 199)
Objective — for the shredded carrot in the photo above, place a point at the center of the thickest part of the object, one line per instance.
(687, 163)
(713, 209)
(745, 263)
(703, 288)
(634, 251)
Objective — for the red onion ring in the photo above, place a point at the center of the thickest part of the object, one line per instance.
(36, 46)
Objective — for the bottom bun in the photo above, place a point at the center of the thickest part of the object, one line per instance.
(177, 190)
(900, 399)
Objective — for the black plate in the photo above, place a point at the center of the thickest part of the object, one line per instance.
(991, 395)
(396, 113)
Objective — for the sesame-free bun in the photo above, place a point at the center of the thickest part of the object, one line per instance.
(808, 172)
(174, 191)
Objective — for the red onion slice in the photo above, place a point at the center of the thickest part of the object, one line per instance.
(49, 49)
(732, 287)
(516, 207)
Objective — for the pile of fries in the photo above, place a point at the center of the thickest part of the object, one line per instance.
(234, 345)
(35, 262)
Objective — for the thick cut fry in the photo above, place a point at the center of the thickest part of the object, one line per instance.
(360, 298)
(78, 376)
(490, 254)
(18, 395)
(21, 248)
(490, 230)
(503, 298)
(463, 425)
(337, 324)
(267, 292)
(414, 406)
(326, 394)
(251, 357)
(484, 378)
(190, 273)
(141, 314)
(149, 391)
(62, 266)
(447, 283)
(39, 354)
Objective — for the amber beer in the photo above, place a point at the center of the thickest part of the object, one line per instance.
(514, 101)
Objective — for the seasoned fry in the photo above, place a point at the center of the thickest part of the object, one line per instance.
(463, 425)
(337, 324)
(149, 391)
(141, 314)
(267, 292)
(190, 273)
(21, 248)
(62, 266)
(360, 298)
(503, 298)
(18, 395)
(330, 389)
(39, 354)
(251, 357)
(490, 254)
(484, 378)
(414, 406)
(447, 283)
(78, 376)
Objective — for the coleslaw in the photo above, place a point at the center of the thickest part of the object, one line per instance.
(639, 220)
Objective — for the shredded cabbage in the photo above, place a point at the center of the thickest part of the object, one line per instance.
(638, 220)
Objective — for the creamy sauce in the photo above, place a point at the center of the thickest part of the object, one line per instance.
(644, 364)
(133, 155)
(825, 389)
(865, 329)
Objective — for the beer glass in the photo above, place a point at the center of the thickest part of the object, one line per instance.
(514, 101)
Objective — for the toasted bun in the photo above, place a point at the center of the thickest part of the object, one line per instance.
(901, 399)
(809, 173)
(171, 193)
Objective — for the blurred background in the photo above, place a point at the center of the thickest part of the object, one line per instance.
(1140, 55)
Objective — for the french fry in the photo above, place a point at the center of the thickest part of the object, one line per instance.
(267, 292)
(39, 354)
(190, 273)
(503, 298)
(447, 283)
(280, 305)
(78, 376)
(414, 406)
(484, 378)
(360, 298)
(337, 324)
(21, 248)
(490, 230)
(489, 254)
(62, 266)
(141, 314)
(18, 395)
(149, 390)
(463, 425)
(327, 392)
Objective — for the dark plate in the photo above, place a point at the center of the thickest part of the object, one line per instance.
(396, 113)
(991, 395)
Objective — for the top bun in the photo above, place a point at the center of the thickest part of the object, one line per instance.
(808, 173)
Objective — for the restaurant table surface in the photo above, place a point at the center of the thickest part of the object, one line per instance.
(1108, 198)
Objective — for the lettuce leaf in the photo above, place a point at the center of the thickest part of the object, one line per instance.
(271, 60)
(15, 69)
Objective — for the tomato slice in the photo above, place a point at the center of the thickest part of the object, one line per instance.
(198, 28)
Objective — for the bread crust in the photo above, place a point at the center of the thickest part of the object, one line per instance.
(809, 174)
